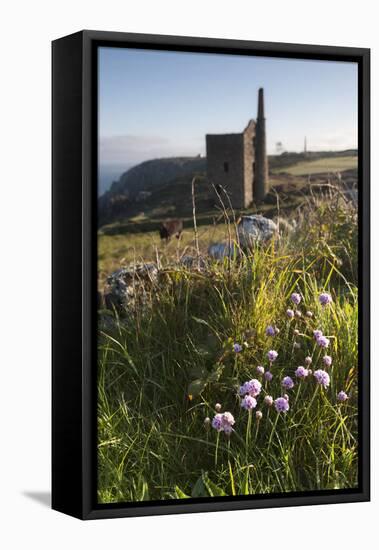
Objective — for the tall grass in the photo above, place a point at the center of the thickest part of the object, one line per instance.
(163, 366)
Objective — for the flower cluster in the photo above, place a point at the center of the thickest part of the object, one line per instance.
(281, 404)
(322, 378)
(250, 390)
(296, 298)
(287, 383)
(322, 340)
(223, 422)
(272, 355)
(252, 387)
(325, 299)
(268, 400)
(248, 403)
(268, 376)
(301, 372)
(342, 396)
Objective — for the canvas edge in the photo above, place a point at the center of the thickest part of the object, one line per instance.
(83, 501)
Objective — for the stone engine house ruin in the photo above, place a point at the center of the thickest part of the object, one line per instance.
(238, 162)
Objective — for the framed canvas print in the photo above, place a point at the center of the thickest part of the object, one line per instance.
(210, 274)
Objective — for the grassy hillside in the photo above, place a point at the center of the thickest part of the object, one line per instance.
(169, 363)
(161, 188)
(151, 185)
(319, 166)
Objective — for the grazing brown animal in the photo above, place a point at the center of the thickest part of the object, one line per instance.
(169, 228)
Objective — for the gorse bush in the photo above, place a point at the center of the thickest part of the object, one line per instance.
(237, 378)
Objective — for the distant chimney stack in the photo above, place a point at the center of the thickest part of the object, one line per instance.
(261, 104)
(261, 182)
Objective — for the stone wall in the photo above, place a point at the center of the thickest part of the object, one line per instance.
(230, 160)
(249, 159)
(225, 164)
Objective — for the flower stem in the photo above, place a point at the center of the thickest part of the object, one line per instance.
(309, 405)
(272, 431)
(217, 443)
(247, 438)
(297, 393)
(257, 430)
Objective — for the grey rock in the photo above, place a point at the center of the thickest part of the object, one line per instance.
(256, 229)
(219, 251)
(130, 284)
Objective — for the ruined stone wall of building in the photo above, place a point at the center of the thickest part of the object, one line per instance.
(249, 159)
(225, 165)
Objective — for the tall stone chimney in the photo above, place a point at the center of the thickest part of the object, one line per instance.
(261, 183)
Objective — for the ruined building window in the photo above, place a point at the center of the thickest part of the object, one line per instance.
(226, 166)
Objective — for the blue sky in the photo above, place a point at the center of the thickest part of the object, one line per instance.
(157, 104)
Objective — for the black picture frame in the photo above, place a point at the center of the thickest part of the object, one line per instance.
(74, 295)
